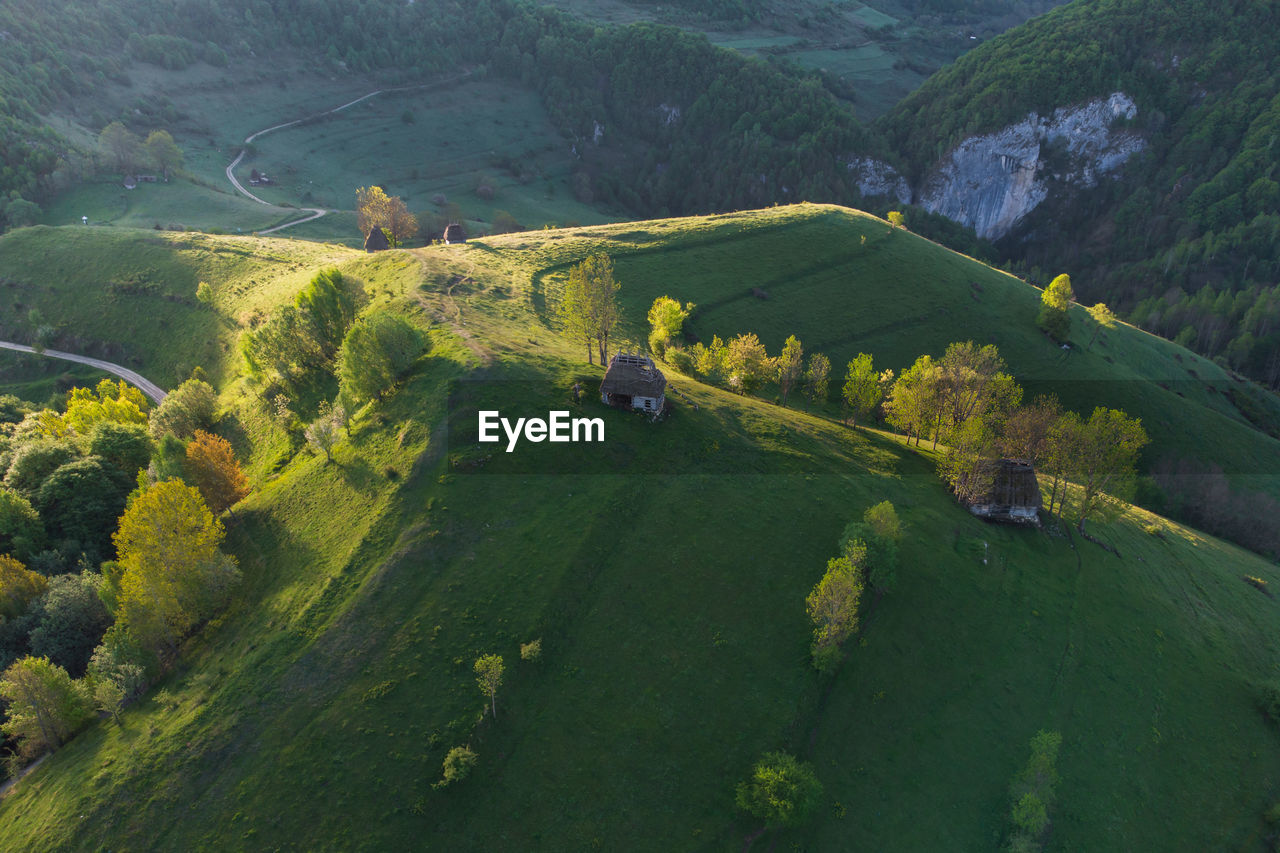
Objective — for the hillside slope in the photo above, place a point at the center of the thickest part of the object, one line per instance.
(665, 571)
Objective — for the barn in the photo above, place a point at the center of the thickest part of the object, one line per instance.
(376, 241)
(633, 382)
(1014, 495)
(454, 234)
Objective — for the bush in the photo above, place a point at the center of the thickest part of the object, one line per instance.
(680, 360)
(782, 791)
(531, 651)
(457, 765)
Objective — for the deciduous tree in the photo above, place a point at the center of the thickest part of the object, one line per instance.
(21, 530)
(747, 363)
(44, 706)
(666, 322)
(376, 352)
(212, 467)
(189, 407)
(817, 378)
(121, 147)
(1054, 318)
(173, 575)
(163, 151)
(832, 605)
(861, 392)
(18, 587)
(489, 676)
(1103, 318)
(790, 366)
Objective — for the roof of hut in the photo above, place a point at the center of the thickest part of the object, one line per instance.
(376, 241)
(633, 375)
(454, 233)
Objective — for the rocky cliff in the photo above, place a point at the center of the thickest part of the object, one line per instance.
(991, 182)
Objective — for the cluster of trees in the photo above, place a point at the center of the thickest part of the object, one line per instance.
(376, 209)
(782, 791)
(127, 154)
(588, 304)
(109, 550)
(868, 557)
(967, 401)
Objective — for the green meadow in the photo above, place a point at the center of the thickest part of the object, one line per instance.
(665, 572)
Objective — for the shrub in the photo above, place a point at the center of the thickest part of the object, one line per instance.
(782, 790)
(457, 765)
(680, 360)
(531, 651)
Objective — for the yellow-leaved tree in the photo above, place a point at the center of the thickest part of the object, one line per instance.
(172, 575)
(113, 401)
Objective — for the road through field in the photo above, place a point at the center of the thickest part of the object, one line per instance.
(316, 212)
(146, 386)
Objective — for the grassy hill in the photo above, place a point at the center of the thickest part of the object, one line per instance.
(665, 571)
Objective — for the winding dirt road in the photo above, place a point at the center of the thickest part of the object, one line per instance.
(316, 212)
(146, 386)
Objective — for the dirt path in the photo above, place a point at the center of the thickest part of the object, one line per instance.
(316, 212)
(146, 386)
(8, 786)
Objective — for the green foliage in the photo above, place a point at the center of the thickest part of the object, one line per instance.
(588, 306)
(1033, 792)
(19, 586)
(790, 366)
(377, 351)
(21, 530)
(70, 621)
(666, 322)
(189, 407)
(832, 605)
(458, 764)
(489, 669)
(746, 363)
(782, 791)
(127, 447)
(80, 503)
(34, 462)
(532, 650)
(862, 391)
(44, 706)
(817, 377)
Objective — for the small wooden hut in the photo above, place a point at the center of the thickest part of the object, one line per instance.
(1014, 495)
(454, 234)
(634, 382)
(376, 241)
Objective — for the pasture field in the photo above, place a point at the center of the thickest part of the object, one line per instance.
(665, 572)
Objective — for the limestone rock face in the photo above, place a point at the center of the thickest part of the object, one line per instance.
(991, 182)
(876, 178)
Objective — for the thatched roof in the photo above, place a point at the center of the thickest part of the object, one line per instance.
(376, 241)
(634, 376)
(1014, 494)
(455, 234)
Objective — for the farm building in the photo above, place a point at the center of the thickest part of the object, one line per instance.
(1014, 496)
(633, 382)
(454, 234)
(376, 241)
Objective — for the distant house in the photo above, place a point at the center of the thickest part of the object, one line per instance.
(1014, 496)
(633, 382)
(454, 234)
(130, 182)
(258, 179)
(376, 241)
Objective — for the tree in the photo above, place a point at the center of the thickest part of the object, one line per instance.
(400, 224)
(127, 447)
(861, 392)
(832, 606)
(878, 534)
(458, 764)
(1108, 453)
(1103, 318)
(120, 146)
(19, 586)
(574, 311)
(747, 363)
(34, 461)
(816, 378)
(666, 321)
(327, 306)
(372, 209)
(189, 407)
(884, 521)
(913, 405)
(781, 791)
(896, 219)
(376, 352)
(1054, 317)
(1025, 433)
(790, 366)
(45, 707)
(322, 433)
(21, 530)
(489, 676)
(113, 401)
(974, 387)
(70, 620)
(212, 468)
(163, 151)
(109, 696)
(593, 278)
(80, 503)
(172, 573)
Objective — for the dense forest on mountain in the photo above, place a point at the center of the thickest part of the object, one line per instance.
(1186, 243)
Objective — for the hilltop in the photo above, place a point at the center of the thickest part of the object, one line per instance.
(665, 573)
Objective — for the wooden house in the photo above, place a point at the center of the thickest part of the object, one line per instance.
(1013, 496)
(634, 382)
(454, 234)
(376, 241)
